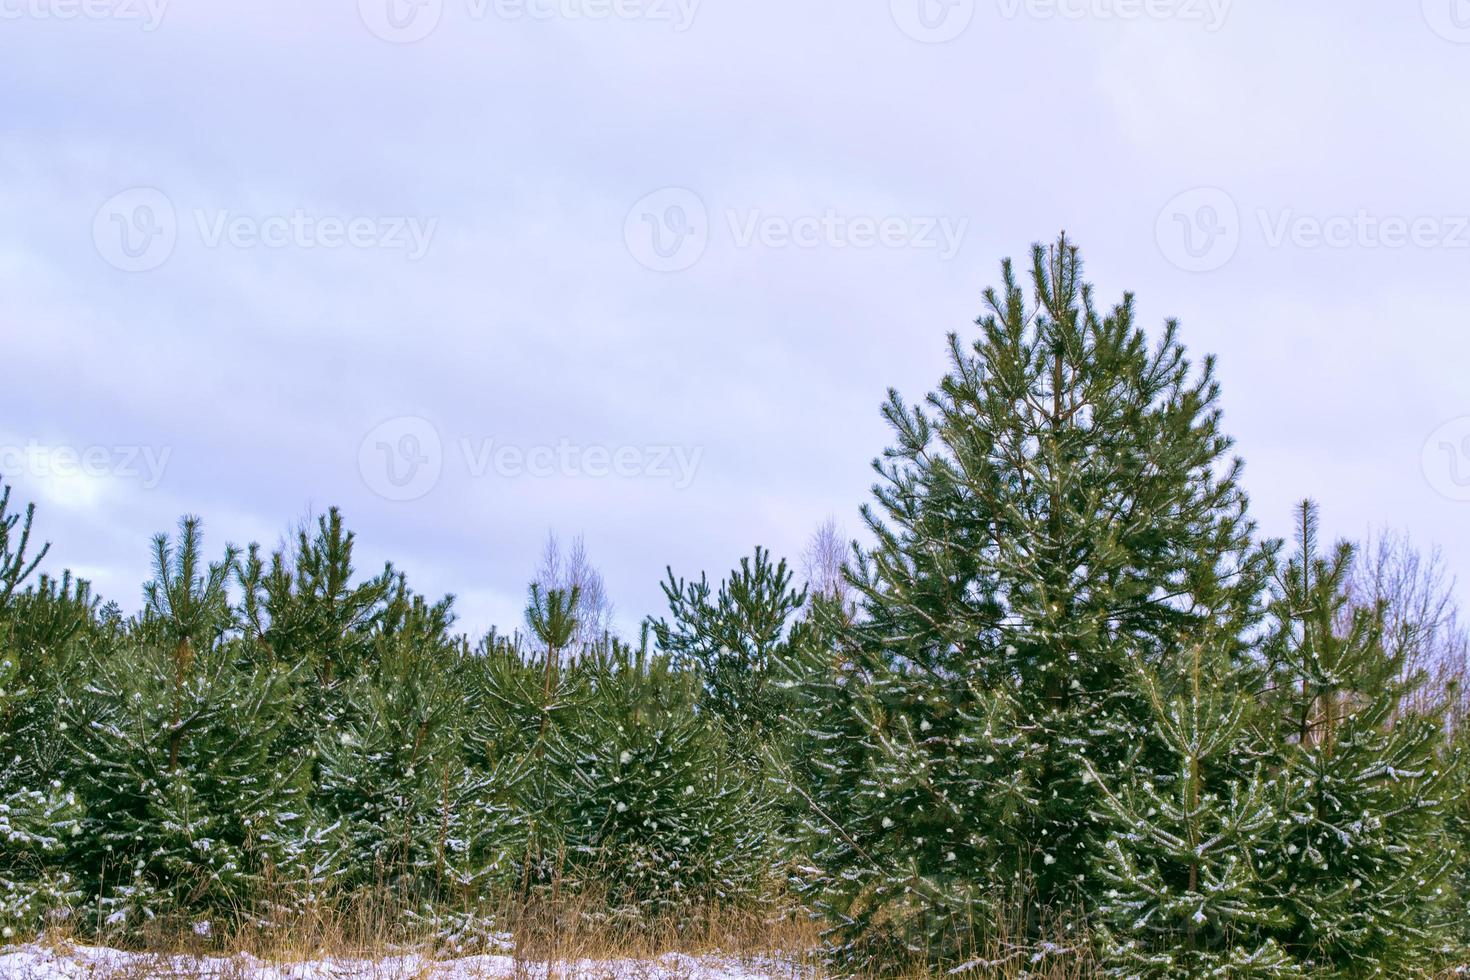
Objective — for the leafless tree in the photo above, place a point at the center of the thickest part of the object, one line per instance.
(1423, 621)
(573, 569)
(823, 560)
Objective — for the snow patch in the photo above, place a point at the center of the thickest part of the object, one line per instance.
(37, 962)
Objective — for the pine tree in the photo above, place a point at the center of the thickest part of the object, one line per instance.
(629, 804)
(187, 804)
(1362, 782)
(15, 565)
(517, 700)
(1061, 508)
(897, 851)
(39, 816)
(657, 816)
(1189, 867)
(305, 612)
(307, 607)
(46, 634)
(43, 629)
(552, 616)
(572, 570)
(736, 638)
(393, 784)
(1457, 821)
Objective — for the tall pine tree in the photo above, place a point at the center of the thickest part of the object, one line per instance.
(1061, 508)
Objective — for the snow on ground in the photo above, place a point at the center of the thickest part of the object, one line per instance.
(35, 962)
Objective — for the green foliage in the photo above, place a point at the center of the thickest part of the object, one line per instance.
(44, 639)
(623, 790)
(184, 808)
(42, 628)
(1363, 783)
(307, 609)
(1061, 508)
(393, 783)
(656, 813)
(1186, 871)
(38, 817)
(736, 639)
(36, 827)
(187, 805)
(903, 785)
(1457, 836)
(552, 616)
(15, 537)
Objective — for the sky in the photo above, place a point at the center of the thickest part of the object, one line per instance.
(642, 270)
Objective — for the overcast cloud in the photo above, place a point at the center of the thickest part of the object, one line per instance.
(475, 270)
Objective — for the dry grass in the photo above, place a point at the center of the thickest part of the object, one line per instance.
(372, 934)
(562, 932)
(369, 938)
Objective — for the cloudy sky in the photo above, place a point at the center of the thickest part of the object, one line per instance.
(475, 270)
